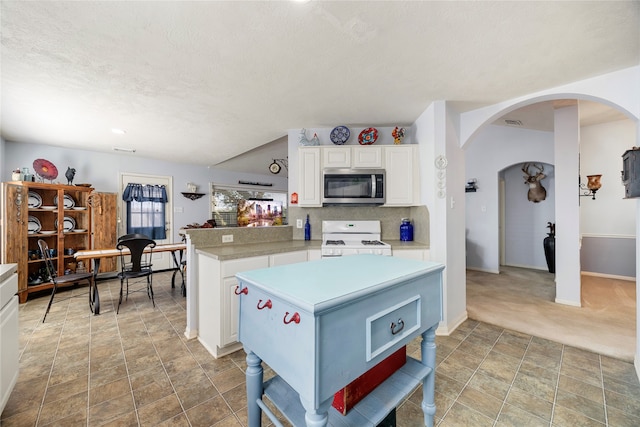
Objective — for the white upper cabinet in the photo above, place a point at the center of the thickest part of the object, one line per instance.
(399, 161)
(336, 157)
(403, 178)
(365, 157)
(310, 176)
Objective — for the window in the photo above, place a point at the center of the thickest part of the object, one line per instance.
(146, 210)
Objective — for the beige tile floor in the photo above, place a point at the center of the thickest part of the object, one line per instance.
(137, 369)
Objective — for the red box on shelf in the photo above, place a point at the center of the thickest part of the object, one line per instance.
(354, 392)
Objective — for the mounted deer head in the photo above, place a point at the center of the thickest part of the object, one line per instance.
(536, 192)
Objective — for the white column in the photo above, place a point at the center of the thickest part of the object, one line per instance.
(566, 153)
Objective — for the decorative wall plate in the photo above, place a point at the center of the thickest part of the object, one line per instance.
(68, 201)
(45, 169)
(339, 135)
(368, 136)
(35, 201)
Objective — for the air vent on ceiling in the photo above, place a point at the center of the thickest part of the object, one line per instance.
(513, 122)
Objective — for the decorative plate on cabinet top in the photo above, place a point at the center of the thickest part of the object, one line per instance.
(34, 200)
(68, 201)
(368, 136)
(339, 135)
(45, 169)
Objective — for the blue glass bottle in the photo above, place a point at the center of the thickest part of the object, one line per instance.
(307, 229)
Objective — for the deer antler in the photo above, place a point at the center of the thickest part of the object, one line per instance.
(540, 168)
(525, 168)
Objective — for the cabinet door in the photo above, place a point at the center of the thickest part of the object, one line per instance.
(417, 254)
(287, 258)
(309, 177)
(367, 157)
(401, 176)
(230, 311)
(336, 157)
(14, 238)
(314, 254)
(105, 227)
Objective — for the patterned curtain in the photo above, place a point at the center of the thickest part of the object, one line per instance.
(146, 209)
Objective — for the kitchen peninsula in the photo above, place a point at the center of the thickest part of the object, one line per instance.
(212, 306)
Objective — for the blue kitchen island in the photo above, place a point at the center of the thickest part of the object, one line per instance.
(321, 324)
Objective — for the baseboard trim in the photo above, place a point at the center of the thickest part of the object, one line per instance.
(445, 330)
(608, 276)
(567, 302)
(484, 270)
(636, 363)
(191, 333)
(530, 267)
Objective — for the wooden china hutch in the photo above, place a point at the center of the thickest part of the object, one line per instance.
(59, 214)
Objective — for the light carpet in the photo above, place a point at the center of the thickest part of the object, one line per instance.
(523, 300)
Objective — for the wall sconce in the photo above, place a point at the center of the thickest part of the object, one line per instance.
(277, 164)
(471, 186)
(593, 185)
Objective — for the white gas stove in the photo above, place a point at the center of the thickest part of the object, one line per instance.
(341, 238)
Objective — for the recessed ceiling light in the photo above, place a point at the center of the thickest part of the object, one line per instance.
(118, 131)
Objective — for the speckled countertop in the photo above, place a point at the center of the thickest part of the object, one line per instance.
(7, 270)
(235, 251)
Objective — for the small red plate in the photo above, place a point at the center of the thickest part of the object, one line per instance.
(368, 136)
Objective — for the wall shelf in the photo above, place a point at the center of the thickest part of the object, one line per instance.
(193, 196)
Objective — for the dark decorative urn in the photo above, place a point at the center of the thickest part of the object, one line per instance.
(550, 247)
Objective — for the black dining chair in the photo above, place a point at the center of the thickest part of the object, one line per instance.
(133, 265)
(146, 260)
(65, 279)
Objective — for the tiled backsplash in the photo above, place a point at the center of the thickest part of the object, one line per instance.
(389, 219)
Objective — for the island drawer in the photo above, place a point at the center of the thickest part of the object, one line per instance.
(391, 325)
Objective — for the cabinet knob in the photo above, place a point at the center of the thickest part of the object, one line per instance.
(267, 304)
(239, 291)
(294, 318)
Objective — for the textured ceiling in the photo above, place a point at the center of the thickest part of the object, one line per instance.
(202, 82)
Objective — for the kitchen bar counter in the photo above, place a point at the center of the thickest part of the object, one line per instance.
(235, 251)
(231, 251)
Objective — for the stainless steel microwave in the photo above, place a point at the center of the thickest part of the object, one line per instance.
(353, 187)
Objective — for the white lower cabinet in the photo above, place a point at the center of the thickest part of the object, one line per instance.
(417, 254)
(218, 304)
(314, 254)
(287, 258)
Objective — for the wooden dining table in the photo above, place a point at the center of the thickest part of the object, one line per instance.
(96, 255)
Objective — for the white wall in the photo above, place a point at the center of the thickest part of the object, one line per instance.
(102, 171)
(493, 149)
(525, 222)
(601, 149)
